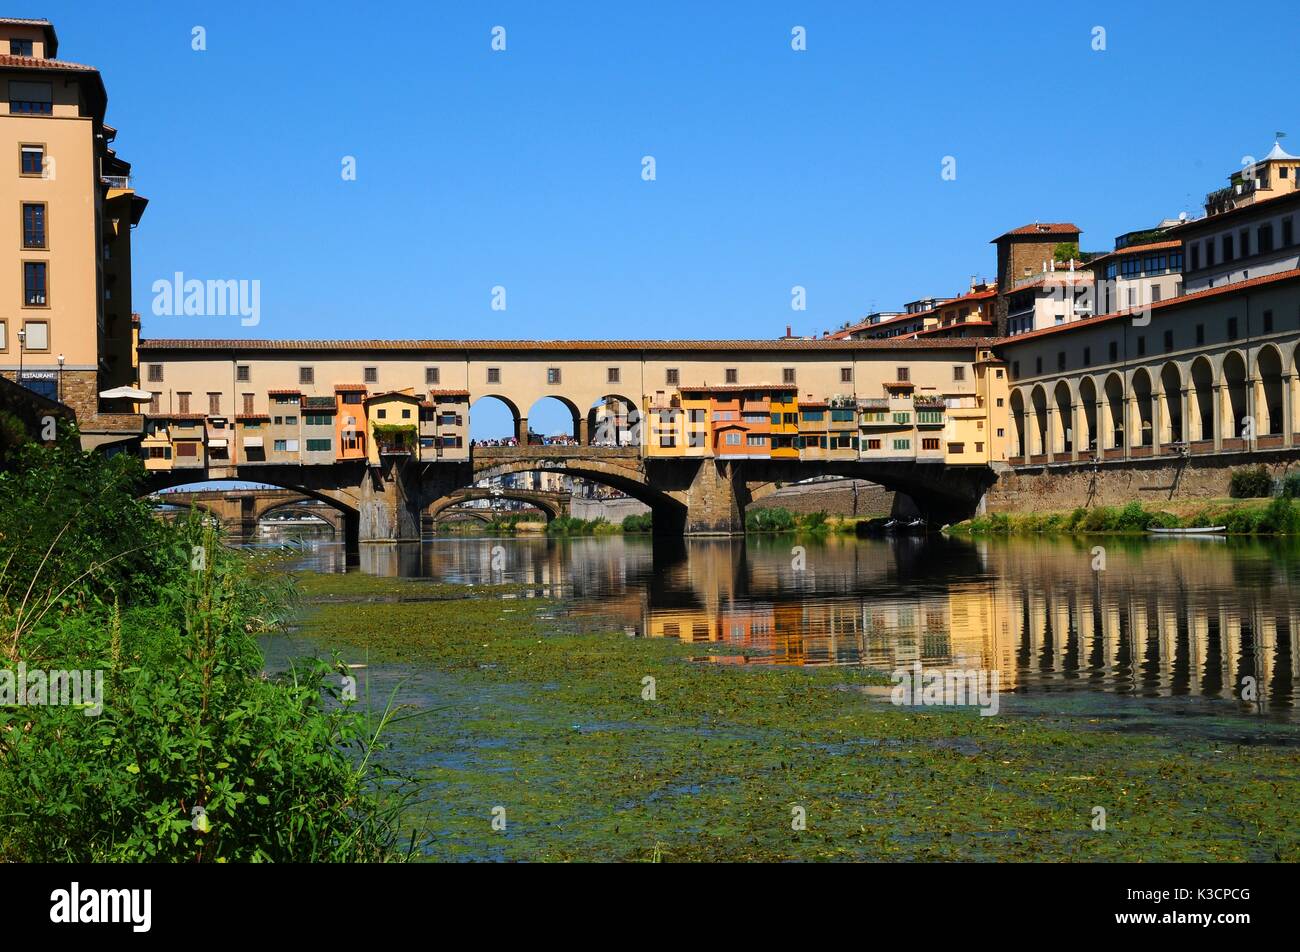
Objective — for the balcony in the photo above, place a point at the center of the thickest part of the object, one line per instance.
(116, 181)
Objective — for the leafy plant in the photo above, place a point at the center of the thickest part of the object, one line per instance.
(1250, 483)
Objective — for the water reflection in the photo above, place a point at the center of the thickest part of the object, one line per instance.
(1180, 618)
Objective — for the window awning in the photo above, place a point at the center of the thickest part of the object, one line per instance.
(125, 393)
(252, 442)
(217, 444)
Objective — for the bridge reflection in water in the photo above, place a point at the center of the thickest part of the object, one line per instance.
(1166, 618)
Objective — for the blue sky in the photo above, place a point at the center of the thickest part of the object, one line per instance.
(775, 168)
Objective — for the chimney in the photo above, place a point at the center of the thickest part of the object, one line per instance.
(787, 331)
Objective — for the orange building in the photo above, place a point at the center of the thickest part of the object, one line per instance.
(351, 428)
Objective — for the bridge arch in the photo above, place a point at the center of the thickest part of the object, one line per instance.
(1144, 396)
(1018, 426)
(495, 399)
(1235, 385)
(1088, 439)
(1063, 435)
(1040, 438)
(547, 403)
(1113, 400)
(1170, 400)
(1269, 365)
(551, 507)
(618, 425)
(1201, 399)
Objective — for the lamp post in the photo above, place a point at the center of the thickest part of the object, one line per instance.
(22, 340)
(60, 388)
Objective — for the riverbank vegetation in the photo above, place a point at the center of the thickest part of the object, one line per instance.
(164, 741)
(778, 519)
(1280, 516)
(596, 746)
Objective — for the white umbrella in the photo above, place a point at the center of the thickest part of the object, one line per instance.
(126, 393)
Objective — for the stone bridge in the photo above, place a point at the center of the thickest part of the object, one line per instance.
(240, 510)
(707, 496)
(551, 504)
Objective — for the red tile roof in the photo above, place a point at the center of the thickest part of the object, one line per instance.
(225, 346)
(284, 393)
(1268, 279)
(32, 62)
(900, 385)
(1040, 228)
(247, 417)
(350, 387)
(449, 393)
(1136, 249)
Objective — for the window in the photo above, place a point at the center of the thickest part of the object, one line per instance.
(958, 373)
(1232, 328)
(307, 375)
(1227, 248)
(611, 375)
(31, 160)
(902, 416)
(1001, 432)
(930, 443)
(494, 375)
(1196, 257)
(35, 284)
(38, 335)
(787, 375)
(248, 403)
(1060, 360)
(155, 404)
(1268, 322)
(381, 413)
(902, 444)
(214, 404)
(4, 336)
(1169, 341)
(672, 376)
(1142, 344)
(291, 421)
(1209, 252)
(1038, 365)
(281, 446)
(552, 375)
(155, 373)
(733, 437)
(33, 99)
(1288, 233)
(243, 374)
(1114, 351)
(319, 446)
(406, 414)
(1156, 294)
(182, 403)
(34, 225)
(187, 448)
(755, 439)
(1200, 333)
(1015, 369)
(903, 374)
(317, 419)
(431, 376)
(370, 374)
(1087, 356)
(873, 444)
(846, 375)
(1265, 237)
(956, 448)
(20, 48)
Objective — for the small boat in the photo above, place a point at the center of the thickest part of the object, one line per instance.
(1190, 531)
(891, 524)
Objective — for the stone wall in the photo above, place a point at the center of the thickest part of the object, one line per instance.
(836, 498)
(611, 510)
(1150, 482)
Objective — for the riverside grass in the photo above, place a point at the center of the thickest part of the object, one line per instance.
(552, 727)
(1276, 517)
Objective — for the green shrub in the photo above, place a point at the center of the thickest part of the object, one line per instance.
(638, 523)
(1280, 518)
(1242, 521)
(1132, 518)
(1291, 486)
(1253, 483)
(1076, 518)
(167, 617)
(769, 520)
(1101, 519)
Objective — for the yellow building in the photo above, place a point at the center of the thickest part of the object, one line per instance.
(65, 302)
(393, 420)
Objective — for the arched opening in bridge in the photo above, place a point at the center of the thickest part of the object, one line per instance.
(1018, 423)
(1064, 435)
(1143, 394)
(1088, 397)
(614, 420)
(1114, 394)
(493, 421)
(554, 420)
(239, 505)
(303, 514)
(1038, 399)
(1269, 366)
(1234, 382)
(1171, 404)
(1201, 395)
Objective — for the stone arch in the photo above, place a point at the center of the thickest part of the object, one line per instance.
(1171, 404)
(614, 420)
(517, 418)
(1144, 399)
(334, 520)
(1235, 394)
(668, 506)
(1038, 431)
(1018, 423)
(1271, 417)
(577, 419)
(1113, 431)
(1088, 400)
(1063, 424)
(552, 508)
(1200, 396)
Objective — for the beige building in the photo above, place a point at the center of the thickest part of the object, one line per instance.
(65, 304)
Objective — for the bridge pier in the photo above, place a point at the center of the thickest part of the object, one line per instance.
(390, 505)
(715, 500)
